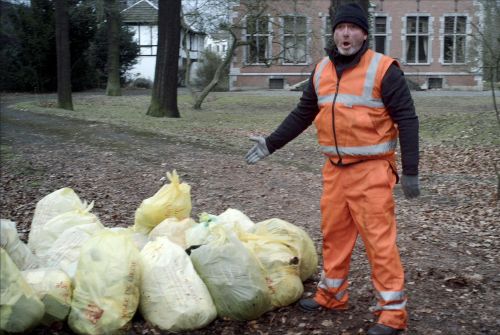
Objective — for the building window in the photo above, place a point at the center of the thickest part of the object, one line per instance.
(192, 42)
(380, 34)
(328, 32)
(146, 36)
(276, 83)
(417, 39)
(257, 36)
(294, 39)
(454, 39)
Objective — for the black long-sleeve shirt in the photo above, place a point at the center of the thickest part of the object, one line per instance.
(395, 96)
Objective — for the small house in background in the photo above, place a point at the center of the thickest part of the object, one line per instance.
(218, 43)
(430, 39)
(141, 17)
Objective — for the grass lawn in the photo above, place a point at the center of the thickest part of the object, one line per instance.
(227, 119)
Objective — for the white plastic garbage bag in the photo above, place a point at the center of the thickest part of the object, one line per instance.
(198, 234)
(20, 308)
(173, 296)
(140, 239)
(19, 252)
(233, 276)
(174, 229)
(54, 289)
(106, 285)
(50, 206)
(49, 232)
(236, 220)
(65, 251)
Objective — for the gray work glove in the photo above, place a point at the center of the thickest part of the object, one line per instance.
(258, 151)
(410, 186)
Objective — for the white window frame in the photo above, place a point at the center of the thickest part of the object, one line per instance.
(387, 33)
(405, 35)
(269, 35)
(305, 35)
(327, 30)
(454, 34)
(153, 39)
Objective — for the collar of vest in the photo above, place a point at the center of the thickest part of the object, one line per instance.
(342, 62)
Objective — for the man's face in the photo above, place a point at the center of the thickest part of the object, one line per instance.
(348, 38)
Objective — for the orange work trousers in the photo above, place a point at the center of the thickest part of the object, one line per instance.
(358, 199)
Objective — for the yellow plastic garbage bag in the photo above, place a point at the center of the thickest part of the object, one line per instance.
(281, 267)
(232, 219)
(54, 288)
(20, 308)
(65, 251)
(294, 237)
(140, 239)
(106, 285)
(19, 252)
(50, 206)
(51, 230)
(172, 200)
(233, 276)
(173, 296)
(174, 229)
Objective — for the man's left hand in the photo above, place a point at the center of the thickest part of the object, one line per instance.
(410, 186)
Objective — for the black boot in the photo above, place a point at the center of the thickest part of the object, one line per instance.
(380, 329)
(309, 305)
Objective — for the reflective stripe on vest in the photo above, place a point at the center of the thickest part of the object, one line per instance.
(318, 74)
(347, 99)
(369, 150)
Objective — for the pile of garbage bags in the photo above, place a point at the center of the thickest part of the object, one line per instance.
(179, 274)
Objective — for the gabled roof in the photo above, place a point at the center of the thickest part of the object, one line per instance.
(146, 11)
(143, 11)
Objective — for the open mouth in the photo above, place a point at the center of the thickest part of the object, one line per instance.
(346, 44)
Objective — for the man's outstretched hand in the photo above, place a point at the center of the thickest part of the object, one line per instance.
(258, 151)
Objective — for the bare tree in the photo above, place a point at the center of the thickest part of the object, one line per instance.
(64, 98)
(164, 97)
(220, 21)
(113, 27)
(488, 38)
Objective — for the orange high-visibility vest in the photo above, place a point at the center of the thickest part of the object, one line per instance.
(352, 112)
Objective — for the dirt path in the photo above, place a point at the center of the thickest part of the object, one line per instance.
(448, 238)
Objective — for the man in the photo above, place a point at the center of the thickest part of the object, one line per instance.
(360, 103)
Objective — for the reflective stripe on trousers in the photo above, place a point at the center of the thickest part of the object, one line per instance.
(390, 300)
(333, 284)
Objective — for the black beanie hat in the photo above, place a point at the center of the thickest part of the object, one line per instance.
(351, 13)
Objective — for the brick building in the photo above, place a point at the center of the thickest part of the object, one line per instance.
(430, 38)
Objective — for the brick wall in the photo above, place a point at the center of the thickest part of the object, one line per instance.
(454, 76)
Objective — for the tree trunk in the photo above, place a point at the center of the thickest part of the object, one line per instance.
(227, 59)
(64, 99)
(164, 96)
(113, 27)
